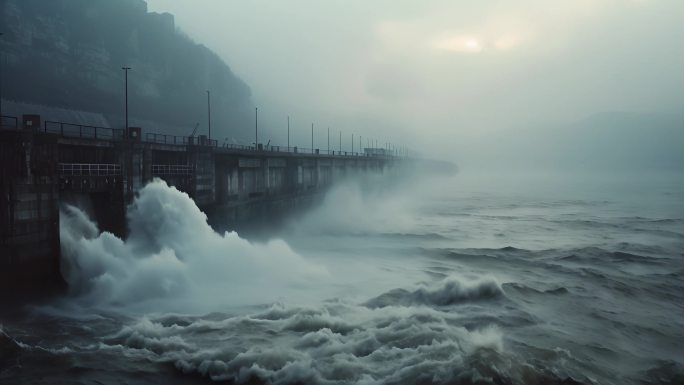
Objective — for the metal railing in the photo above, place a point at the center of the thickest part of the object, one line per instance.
(89, 169)
(172, 169)
(180, 140)
(71, 130)
(302, 150)
(238, 147)
(167, 139)
(117, 134)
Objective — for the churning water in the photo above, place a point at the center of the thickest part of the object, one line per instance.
(445, 283)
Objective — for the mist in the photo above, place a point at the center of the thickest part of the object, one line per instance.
(393, 278)
(533, 234)
(494, 86)
(173, 260)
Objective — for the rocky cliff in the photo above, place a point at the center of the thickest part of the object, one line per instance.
(68, 54)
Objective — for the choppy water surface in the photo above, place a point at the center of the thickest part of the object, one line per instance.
(471, 285)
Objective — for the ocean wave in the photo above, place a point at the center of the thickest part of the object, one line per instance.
(9, 349)
(595, 255)
(416, 236)
(510, 248)
(172, 258)
(334, 343)
(667, 221)
(524, 289)
(666, 372)
(16, 356)
(449, 291)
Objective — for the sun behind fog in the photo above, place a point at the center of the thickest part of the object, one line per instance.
(460, 44)
(472, 43)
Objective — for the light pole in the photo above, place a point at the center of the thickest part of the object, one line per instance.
(1, 56)
(126, 69)
(209, 111)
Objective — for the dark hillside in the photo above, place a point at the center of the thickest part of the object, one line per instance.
(69, 53)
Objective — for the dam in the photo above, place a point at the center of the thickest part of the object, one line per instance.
(47, 163)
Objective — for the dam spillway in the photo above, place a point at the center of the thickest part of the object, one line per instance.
(45, 164)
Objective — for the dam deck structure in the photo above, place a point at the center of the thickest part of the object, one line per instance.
(46, 164)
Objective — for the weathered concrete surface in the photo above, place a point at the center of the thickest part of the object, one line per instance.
(45, 166)
(29, 214)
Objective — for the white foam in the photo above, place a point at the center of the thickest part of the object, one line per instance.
(450, 291)
(174, 258)
(334, 343)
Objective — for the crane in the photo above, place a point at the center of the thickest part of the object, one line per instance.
(194, 131)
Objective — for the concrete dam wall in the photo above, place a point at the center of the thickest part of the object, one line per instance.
(46, 164)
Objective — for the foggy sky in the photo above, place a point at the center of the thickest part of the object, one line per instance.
(447, 77)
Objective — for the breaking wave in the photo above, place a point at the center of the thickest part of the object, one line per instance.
(9, 348)
(335, 343)
(450, 291)
(173, 254)
(532, 307)
(362, 206)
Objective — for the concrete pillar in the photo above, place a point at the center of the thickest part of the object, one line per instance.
(265, 170)
(300, 175)
(29, 211)
(234, 182)
(291, 175)
(136, 170)
(241, 183)
(125, 163)
(205, 174)
(147, 165)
